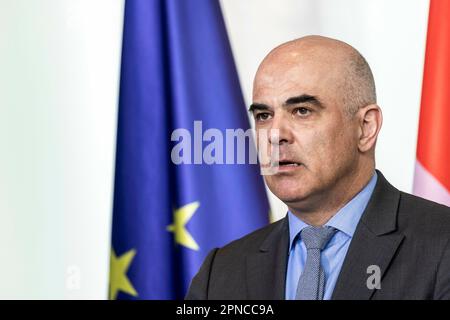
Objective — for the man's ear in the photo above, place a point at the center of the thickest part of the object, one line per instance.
(371, 120)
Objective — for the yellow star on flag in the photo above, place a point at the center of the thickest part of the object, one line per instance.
(181, 217)
(118, 280)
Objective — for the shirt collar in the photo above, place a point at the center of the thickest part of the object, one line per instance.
(345, 220)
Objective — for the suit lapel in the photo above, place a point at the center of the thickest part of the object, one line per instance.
(266, 269)
(374, 243)
(365, 250)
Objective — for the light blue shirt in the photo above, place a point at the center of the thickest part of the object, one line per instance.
(332, 257)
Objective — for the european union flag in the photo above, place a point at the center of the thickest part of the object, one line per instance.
(177, 68)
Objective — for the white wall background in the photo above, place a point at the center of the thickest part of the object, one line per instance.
(59, 66)
(59, 71)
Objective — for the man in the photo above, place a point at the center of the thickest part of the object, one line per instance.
(348, 233)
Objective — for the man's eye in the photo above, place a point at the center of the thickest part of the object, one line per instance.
(262, 116)
(302, 111)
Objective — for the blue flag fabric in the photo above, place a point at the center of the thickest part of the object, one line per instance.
(177, 68)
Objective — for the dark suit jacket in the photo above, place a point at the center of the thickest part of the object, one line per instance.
(406, 236)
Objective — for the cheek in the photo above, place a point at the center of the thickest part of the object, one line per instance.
(341, 150)
(327, 147)
(314, 145)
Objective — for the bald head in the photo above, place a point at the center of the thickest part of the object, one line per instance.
(346, 71)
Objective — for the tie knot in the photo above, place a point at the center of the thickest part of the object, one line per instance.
(317, 237)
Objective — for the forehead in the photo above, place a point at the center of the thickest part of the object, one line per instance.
(281, 77)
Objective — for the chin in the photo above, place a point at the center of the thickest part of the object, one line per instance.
(289, 194)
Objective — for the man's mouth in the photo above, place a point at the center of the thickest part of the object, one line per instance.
(288, 164)
(283, 165)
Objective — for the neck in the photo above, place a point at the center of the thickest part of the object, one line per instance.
(329, 203)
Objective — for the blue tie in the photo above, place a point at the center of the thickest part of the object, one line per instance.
(311, 284)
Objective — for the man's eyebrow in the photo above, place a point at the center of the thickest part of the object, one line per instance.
(258, 106)
(303, 99)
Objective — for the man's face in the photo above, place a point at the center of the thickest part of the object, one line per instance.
(317, 138)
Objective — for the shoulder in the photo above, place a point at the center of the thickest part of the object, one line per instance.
(252, 242)
(418, 211)
(427, 218)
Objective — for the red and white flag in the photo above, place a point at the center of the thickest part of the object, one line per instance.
(432, 172)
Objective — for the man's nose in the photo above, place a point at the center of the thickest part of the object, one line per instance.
(280, 131)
